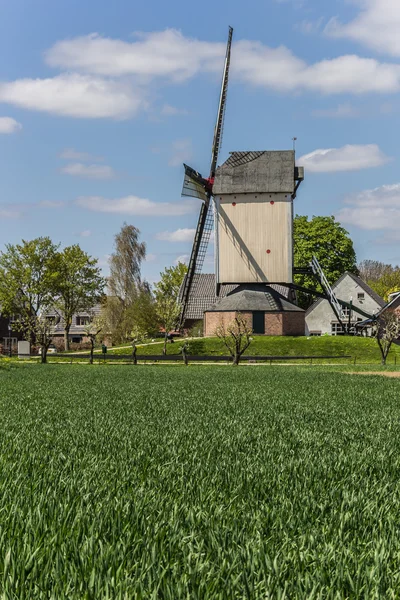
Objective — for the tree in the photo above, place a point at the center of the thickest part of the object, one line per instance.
(326, 239)
(386, 331)
(137, 335)
(79, 285)
(92, 330)
(236, 336)
(382, 278)
(166, 294)
(43, 332)
(28, 281)
(130, 297)
(125, 264)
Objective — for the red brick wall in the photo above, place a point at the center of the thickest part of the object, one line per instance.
(294, 323)
(275, 323)
(213, 319)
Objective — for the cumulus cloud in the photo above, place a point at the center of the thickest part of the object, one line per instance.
(171, 56)
(180, 235)
(157, 54)
(85, 233)
(9, 125)
(374, 209)
(183, 258)
(133, 205)
(71, 154)
(74, 95)
(347, 158)
(376, 26)
(89, 171)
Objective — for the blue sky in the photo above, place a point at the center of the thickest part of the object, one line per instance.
(100, 103)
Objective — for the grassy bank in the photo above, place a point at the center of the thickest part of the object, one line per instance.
(364, 350)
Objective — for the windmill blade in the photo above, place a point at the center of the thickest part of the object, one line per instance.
(218, 130)
(195, 185)
(200, 244)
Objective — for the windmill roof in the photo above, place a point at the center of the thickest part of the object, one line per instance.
(203, 296)
(254, 297)
(262, 171)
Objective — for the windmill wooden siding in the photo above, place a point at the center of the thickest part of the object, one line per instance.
(253, 194)
(255, 238)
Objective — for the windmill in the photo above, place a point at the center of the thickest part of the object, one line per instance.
(195, 185)
(250, 199)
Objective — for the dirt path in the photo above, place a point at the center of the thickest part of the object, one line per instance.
(395, 374)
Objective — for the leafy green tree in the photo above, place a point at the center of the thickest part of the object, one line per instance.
(79, 285)
(166, 294)
(326, 239)
(28, 281)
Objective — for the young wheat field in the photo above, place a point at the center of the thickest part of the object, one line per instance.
(168, 482)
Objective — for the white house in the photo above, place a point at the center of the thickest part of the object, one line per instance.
(320, 318)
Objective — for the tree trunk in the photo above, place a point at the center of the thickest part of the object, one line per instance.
(43, 355)
(383, 360)
(236, 359)
(66, 337)
(134, 350)
(91, 351)
(165, 344)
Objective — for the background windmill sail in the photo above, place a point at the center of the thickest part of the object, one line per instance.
(195, 185)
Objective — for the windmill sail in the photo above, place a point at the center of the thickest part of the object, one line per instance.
(195, 185)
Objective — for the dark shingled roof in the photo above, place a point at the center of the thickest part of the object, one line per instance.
(202, 295)
(254, 297)
(260, 172)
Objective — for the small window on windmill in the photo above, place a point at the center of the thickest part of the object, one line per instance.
(361, 297)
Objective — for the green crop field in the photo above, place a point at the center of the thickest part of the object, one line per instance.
(208, 482)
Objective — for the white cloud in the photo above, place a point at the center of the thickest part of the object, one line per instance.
(89, 171)
(133, 205)
(74, 95)
(180, 235)
(309, 27)
(184, 258)
(342, 111)
(281, 70)
(347, 158)
(376, 26)
(374, 209)
(71, 154)
(10, 213)
(171, 56)
(150, 258)
(9, 125)
(181, 151)
(85, 233)
(51, 204)
(170, 111)
(158, 54)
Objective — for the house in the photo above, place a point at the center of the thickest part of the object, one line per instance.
(268, 306)
(320, 317)
(9, 334)
(79, 322)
